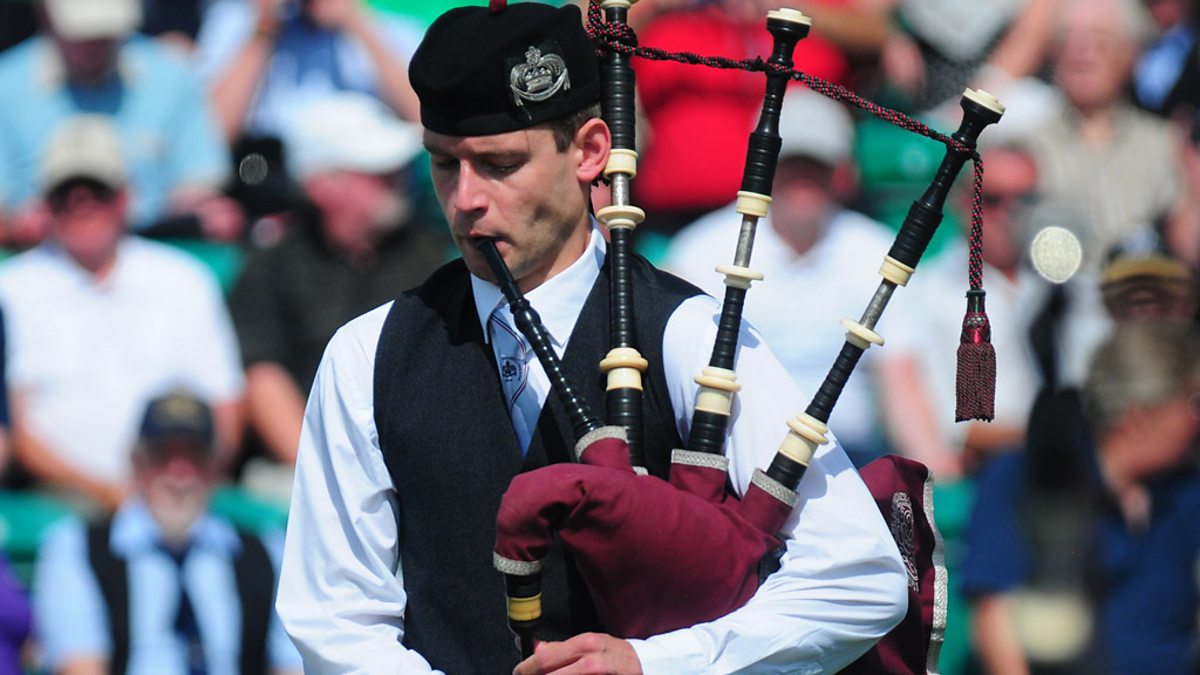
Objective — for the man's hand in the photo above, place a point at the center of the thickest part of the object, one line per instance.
(587, 654)
(221, 219)
(26, 227)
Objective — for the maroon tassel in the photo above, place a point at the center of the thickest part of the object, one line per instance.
(496, 5)
(976, 391)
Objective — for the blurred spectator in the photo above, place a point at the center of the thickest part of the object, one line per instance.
(1182, 230)
(353, 248)
(699, 118)
(939, 47)
(15, 621)
(920, 378)
(1098, 153)
(263, 59)
(164, 586)
(820, 260)
(1086, 562)
(87, 62)
(1142, 281)
(99, 321)
(176, 23)
(5, 417)
(1167, 77)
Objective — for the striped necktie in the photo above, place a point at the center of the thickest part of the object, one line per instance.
(513, 358)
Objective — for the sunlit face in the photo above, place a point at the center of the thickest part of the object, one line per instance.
(802, 198)
(1008, 193)
(175, 479)
(88, 220)
(89, 61)
(1169, 430)
(1095, 54)
(1166, 13)
(356, 207)
(518, 188)
(1149, 298)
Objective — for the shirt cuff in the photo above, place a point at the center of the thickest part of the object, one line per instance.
(670, 653)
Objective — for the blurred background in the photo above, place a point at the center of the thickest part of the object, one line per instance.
(195, 194)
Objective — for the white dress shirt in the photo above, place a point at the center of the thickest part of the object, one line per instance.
(932, 334)
(802, 299)
(87, 355)
(841, 586)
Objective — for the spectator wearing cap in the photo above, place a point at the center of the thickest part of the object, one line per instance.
(809, 246)
(350, 250)
(100, 320)
(410, 437)
(87, 60)
(1143, 281)
(263, 59)
(163, 586)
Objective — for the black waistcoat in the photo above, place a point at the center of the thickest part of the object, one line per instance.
(450, 448)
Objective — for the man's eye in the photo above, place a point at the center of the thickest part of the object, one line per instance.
(503, 168)
(445, 163)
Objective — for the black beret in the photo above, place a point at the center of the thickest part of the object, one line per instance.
(480, 72)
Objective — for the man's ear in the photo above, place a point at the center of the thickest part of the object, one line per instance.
(593, 140)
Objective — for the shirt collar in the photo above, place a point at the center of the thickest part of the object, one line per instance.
(554, 300)
(81, 276)
(134, 531)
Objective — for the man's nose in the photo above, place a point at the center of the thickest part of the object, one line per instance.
(470, 193)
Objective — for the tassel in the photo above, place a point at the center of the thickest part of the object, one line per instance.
(496, 5)
(976, 390)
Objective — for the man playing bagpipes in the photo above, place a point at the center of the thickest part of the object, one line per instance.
(425, 409)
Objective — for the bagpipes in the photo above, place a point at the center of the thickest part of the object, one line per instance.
(702, 551)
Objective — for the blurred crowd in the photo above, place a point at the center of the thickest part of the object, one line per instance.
(196, 194)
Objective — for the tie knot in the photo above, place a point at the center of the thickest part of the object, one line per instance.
(504, 328)
(513, 357)
(177, 554)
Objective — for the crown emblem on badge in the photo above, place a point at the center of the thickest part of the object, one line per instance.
(538, 78)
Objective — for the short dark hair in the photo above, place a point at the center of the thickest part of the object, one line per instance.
(564, 128)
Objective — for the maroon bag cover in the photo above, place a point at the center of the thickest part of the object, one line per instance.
(903, 490)
(659, 555)
(656, 555)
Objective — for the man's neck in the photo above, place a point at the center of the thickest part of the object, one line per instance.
(1096, 124)
(801, 236)
(99, 269)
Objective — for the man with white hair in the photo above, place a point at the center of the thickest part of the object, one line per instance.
(88, 60)
(351, 248)
(819, 259)
(1098, 153)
